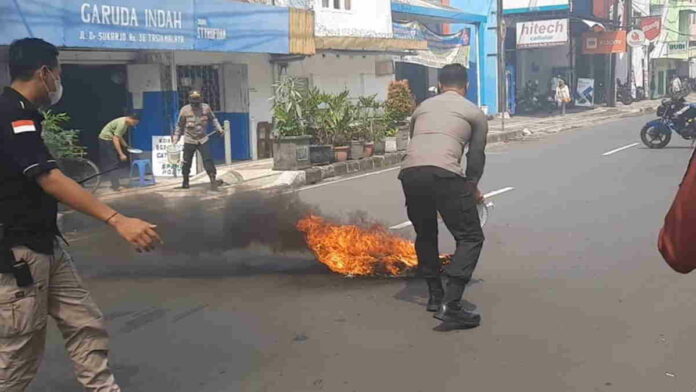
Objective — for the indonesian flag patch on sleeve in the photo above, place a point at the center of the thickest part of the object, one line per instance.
(21, 126)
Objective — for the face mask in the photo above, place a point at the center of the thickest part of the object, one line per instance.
(55, 96)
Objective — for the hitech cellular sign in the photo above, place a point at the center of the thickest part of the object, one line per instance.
(542, 33)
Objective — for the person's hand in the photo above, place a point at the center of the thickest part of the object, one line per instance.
(175, 140)
(139, 233)
(123, 157)
(478, 196)
(221, 131)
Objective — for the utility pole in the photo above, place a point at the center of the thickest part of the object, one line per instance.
(611, 97)
(502, 79)
(628, 25)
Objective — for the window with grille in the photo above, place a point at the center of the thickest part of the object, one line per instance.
(337, 4)
(204, 78)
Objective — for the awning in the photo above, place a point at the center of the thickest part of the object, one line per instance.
(428, 12)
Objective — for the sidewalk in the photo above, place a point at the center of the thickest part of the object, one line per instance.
(259, 174)
(520, 126)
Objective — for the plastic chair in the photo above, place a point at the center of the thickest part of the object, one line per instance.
(143, 167)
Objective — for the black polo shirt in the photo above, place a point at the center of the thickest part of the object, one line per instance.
(28, 213)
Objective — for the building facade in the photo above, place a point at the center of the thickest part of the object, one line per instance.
(145, 56)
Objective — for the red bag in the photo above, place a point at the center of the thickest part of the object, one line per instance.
(677, 241)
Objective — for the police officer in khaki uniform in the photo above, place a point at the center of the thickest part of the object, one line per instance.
(37, 276)
(194, 121)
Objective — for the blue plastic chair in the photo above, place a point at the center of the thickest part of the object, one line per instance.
(144, 168)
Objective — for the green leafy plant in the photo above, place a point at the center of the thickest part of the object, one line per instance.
(288, 115)
(337, 118)
(371, 120)
(60, 142)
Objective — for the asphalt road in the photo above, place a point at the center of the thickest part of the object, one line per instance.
(572, 291)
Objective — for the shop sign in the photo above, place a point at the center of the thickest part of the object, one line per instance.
(636, 38)
(211, 25)
(604, 43)
(584, 92)
(542, 33)
(678, 49)
(651, 26)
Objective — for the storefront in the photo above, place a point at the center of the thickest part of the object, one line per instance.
(670, 59)
(540, 52)
(145, 56)
(594, 60)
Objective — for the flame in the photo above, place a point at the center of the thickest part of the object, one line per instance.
(356, 251)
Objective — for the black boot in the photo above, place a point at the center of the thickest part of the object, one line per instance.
(213, 182)
(185, 183)
(435, 294)
(452, 313)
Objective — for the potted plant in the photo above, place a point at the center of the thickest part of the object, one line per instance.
(313, 104)
(291, 144)
(390, 144)
(399, 106)
(336, 121)
(369, 119)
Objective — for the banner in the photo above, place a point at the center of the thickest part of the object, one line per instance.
(584, 92)
(542, 33)
(605, 42)
(442, 49)
(161, 166)
(211, 25)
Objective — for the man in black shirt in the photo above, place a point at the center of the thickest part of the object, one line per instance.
(30, 187)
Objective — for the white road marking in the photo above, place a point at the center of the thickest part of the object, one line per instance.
(406, 224)
(620, 149)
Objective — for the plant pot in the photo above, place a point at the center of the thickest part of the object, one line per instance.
(402, 138)
(380, 147)
(320, 154)
(357, 148)
(390, 144)
(369, 150)
(291, 153)
(341, 153)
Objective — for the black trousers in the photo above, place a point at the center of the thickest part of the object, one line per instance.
(108, 157)
(430, 190)
(206, 155)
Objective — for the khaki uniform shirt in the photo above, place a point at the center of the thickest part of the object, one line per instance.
(441, 127)
(194, 123)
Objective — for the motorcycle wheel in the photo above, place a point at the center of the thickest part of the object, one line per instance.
(653, 138)
(626, 100)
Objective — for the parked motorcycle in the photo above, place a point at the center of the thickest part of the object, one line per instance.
(675, 116)
(624, 93)
(531, 101)
(640, 94)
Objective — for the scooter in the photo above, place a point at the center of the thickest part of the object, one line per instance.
(675, 116)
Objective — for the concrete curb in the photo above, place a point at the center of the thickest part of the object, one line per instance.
(500, 137)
